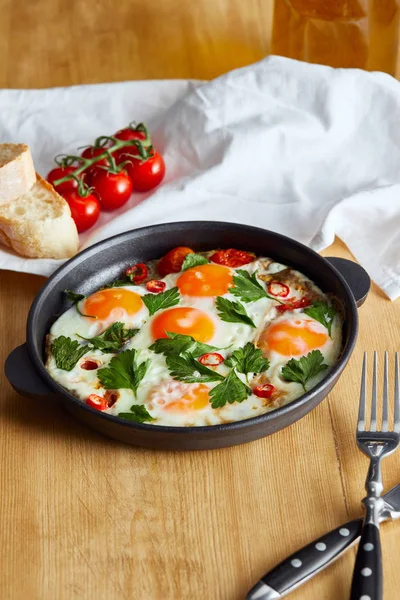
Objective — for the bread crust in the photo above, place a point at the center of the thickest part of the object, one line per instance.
(17, 174)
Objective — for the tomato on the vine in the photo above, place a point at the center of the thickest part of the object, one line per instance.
(146, 174)
(85, 210)
(59, 173)
(93, 152)
(128, 134)
(113, 189)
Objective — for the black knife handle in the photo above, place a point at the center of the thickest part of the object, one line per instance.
(367, 576)
(306, 562)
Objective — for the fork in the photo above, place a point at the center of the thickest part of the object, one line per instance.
(374, 443)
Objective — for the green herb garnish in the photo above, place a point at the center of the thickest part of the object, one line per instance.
(138, 414)
(155, 302)
(123, 371)
(186, 368)
(75, 299)
(248, 288)
(112, 339)
(177, 343)
(117, 283)
(304, 369)
(231, 390)
(194, 260)
(322, 312)
(67, 352)
(232, 312)
(248, 359)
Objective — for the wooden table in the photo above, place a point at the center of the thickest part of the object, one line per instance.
(84, 517)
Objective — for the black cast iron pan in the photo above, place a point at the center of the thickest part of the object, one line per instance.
(105, 261)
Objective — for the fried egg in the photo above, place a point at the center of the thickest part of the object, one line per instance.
(280, 336)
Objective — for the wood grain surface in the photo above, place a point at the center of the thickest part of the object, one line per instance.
(84, 517)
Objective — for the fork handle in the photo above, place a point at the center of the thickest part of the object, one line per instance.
(367, 576)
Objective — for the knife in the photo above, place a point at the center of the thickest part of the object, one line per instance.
(310, 560)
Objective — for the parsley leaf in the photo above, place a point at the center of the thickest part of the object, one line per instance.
(67, 352)
(177, 343)
(322, 312)
(123, 371)
(187, 368)
(117, 283)
(231, 390)
(112, 339)
(248, 288)
(138, 414)
(232, 312)
(305, 368)
(75, 299)
(248, 360)
(194, 260)
(155, 302)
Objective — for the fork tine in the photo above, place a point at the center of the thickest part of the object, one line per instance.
(372, 426)
(363, 396)
(396, 394)
(385, 416)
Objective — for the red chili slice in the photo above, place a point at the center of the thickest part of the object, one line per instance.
(111, 396)
(156, 286)
(137, 273)
(264, 391)
(292, 304)
(232, 258)
(276, 288)
(97, 402)
(89, 365)
(211, 359)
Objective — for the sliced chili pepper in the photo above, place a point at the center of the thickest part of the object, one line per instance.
(156, 286)
(137, 273)
(97, 402)
(276, 288)
(211, 359)
(292, 304)
(232, 258)
(264, 391)
(89, 365)
(111, 396)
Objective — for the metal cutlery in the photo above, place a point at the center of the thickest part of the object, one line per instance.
(376, 444)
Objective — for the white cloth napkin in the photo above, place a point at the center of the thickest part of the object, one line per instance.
(301, 149)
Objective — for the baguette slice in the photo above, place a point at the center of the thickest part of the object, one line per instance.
(17, 173)
(39, 224)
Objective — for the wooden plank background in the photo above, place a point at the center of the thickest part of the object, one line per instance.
(84, 517)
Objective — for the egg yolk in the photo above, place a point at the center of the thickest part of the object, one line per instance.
(205, 280)
(103, 302)
(295, 338)
(179, 397)
(184, 320)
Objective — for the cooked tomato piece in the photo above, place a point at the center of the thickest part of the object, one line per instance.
(278, 289)
(156, 286)
(97, 402)
(293, 303)
(264, 391)
(111, 396)
(172, 262)
(137, 273)
(89, 365)
(232, 258)
(211, 359)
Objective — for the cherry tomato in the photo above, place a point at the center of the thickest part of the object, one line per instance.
(264, 391)
(232, 258)
(89, 365)
(92, 152)
(84, 210)
(137, 273)
(59, 173)
(293, 303)
(96, 401)
(211, 359)
(172, 262)
(276, 288)
(147, 174)
(156, 286)
(113, 189)
(128, 134)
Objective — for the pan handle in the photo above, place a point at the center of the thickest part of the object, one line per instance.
(22, 375)
(356, 277)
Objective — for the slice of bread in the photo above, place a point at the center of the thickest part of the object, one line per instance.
(38, 224)
(17, 173)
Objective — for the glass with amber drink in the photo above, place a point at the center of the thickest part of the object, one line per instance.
(339, 33)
